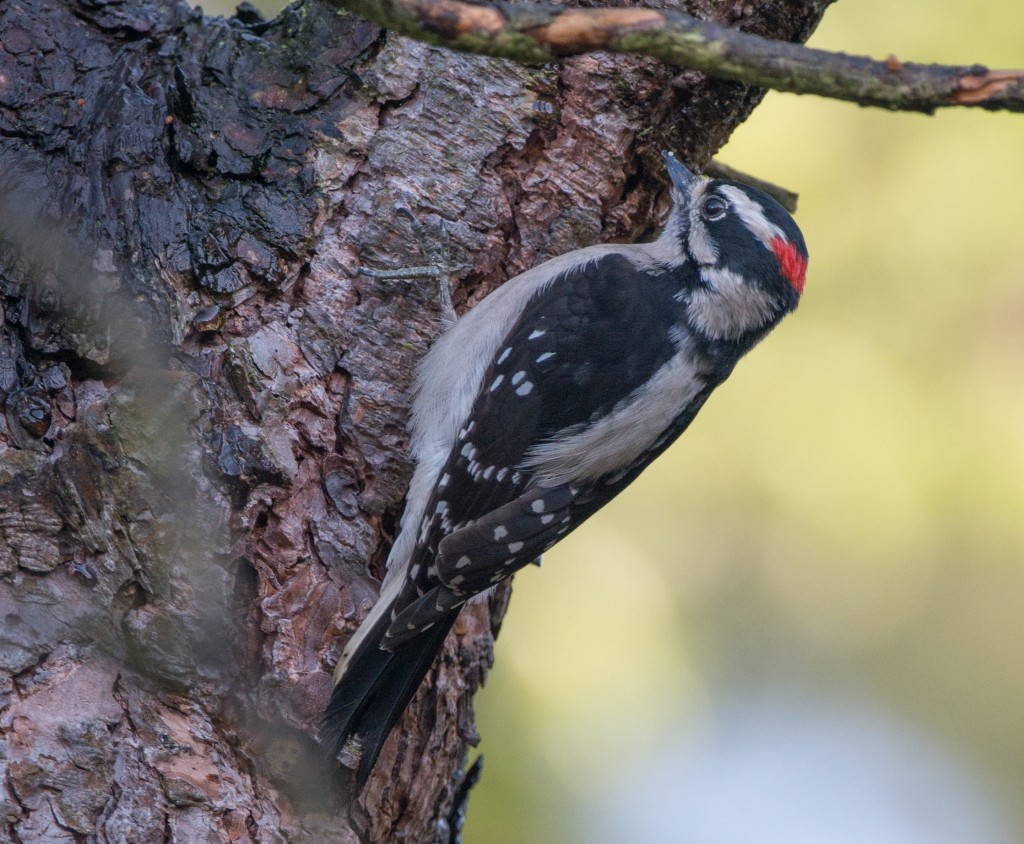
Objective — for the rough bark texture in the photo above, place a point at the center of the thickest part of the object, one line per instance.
(202, 440)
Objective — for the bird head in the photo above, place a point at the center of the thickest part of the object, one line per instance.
(749, 253)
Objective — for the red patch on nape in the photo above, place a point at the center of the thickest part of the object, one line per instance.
(791, 262)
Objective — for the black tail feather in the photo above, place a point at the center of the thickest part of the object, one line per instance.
(365, 669)
(376, 688)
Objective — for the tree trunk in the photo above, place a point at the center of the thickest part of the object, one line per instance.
(202, 449)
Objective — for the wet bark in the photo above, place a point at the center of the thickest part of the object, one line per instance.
(202, 441)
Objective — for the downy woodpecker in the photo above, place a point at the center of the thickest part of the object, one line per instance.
(544, 402)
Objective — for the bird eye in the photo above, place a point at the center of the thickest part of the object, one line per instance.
(714, 208)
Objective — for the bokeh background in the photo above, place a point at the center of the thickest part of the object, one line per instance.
(805, 623)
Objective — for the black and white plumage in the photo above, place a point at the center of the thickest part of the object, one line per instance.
(545, 401)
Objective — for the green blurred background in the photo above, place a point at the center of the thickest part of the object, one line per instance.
(805, 623)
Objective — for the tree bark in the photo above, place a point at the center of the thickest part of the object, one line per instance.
(202, 449)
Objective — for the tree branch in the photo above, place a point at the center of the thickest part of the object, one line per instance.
(540, 33)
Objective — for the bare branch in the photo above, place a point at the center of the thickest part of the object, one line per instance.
(539, 33)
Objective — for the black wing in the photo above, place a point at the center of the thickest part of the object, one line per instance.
(590, 338)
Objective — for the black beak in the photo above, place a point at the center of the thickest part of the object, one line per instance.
(682, 179)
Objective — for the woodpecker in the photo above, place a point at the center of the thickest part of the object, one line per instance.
(544, 402)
